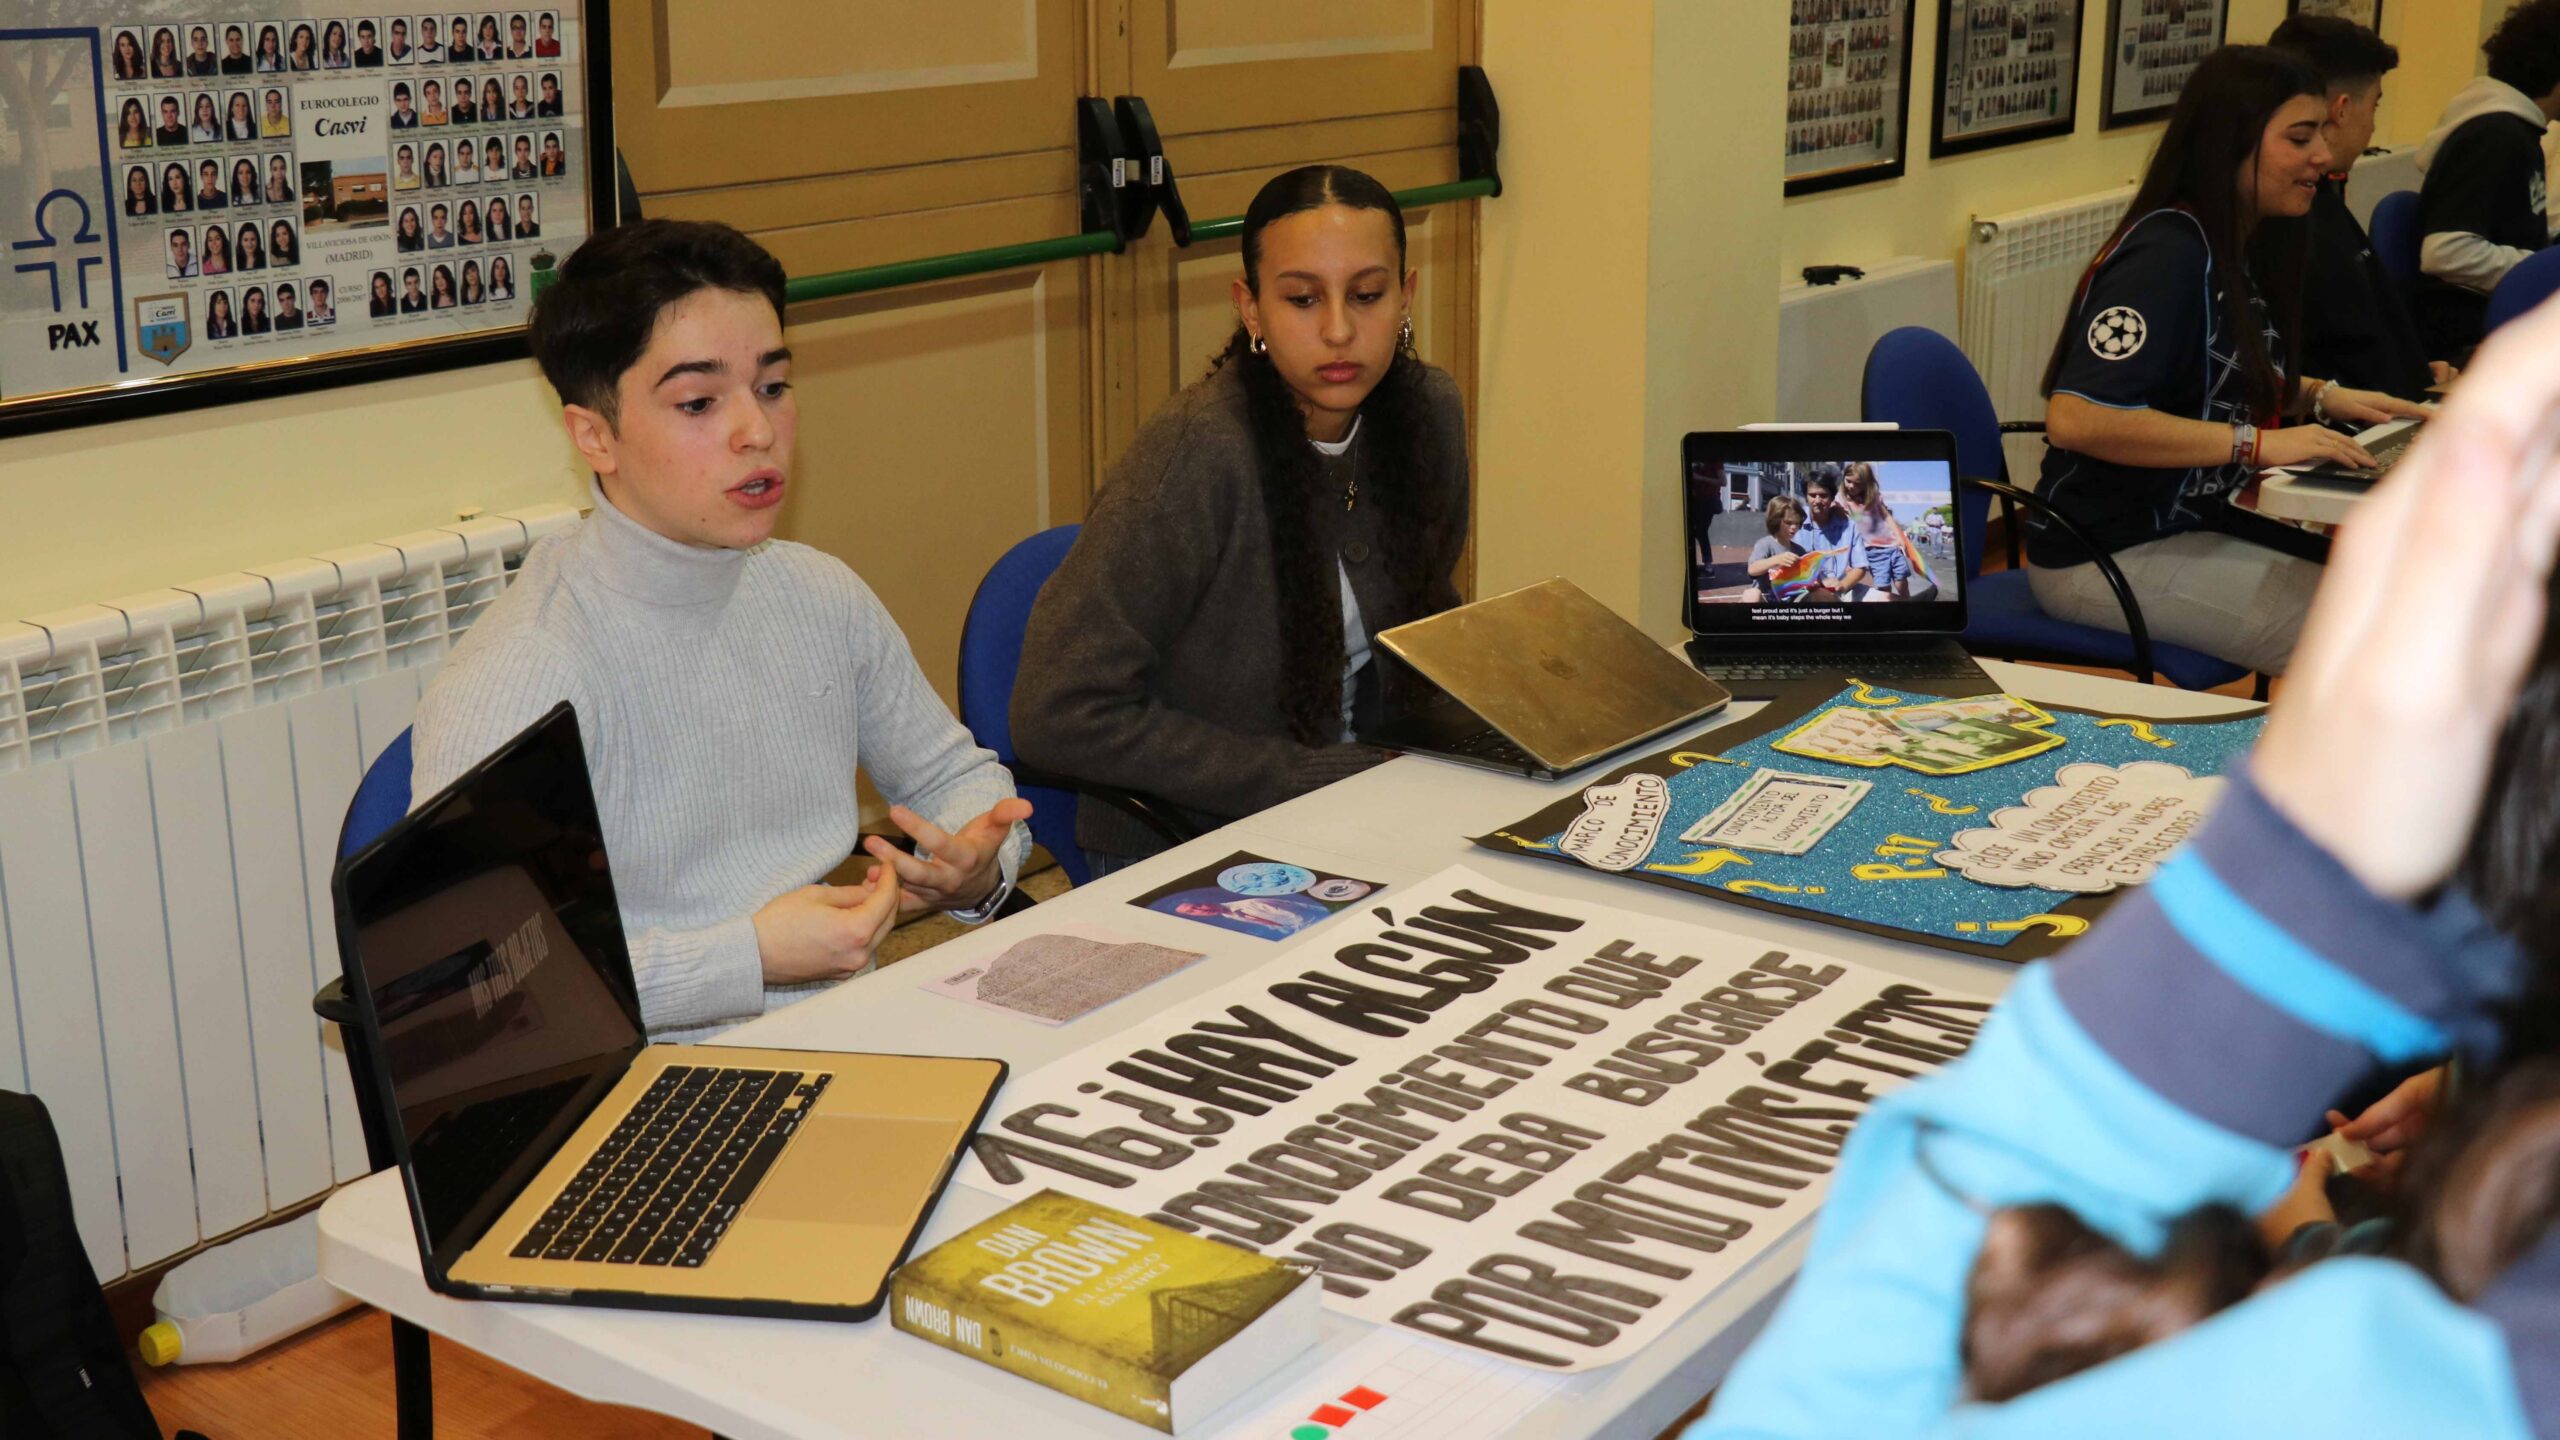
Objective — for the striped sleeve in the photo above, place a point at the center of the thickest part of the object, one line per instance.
(2170, 1061)
(2269, 981)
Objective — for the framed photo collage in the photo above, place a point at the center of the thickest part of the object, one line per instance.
(245, 202)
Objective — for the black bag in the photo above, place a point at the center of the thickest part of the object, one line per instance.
(62, 1370)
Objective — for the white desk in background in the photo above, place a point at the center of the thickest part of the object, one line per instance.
(2287, 496)
(753, 1379)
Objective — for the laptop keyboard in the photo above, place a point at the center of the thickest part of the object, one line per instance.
(1878, 666)
(2386, 453)
(665, 1185)
(1491, 746)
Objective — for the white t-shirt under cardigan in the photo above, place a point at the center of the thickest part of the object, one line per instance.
(721, 695)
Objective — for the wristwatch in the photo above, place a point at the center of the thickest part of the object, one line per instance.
(986, 909)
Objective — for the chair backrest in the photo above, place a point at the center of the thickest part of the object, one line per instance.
(381, 797)
(1916, 378)
(2394, 232)
(2532, 281)
(991, 653)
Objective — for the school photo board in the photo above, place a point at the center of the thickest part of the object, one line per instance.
(1987, 825)
(210, 204)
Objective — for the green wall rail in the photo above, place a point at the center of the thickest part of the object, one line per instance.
(1065, 247)
(1413, 199)
(948, 267)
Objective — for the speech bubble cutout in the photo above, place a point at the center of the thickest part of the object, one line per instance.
(1618, 822)
(2095, 828)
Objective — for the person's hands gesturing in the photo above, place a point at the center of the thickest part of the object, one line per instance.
(826, 932)
(2380, 746)
(958, 868)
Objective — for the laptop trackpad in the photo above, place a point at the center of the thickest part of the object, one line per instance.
(860, 1168)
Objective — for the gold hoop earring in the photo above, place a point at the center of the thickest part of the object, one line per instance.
(1258, 345)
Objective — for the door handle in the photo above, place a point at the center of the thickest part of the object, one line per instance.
(1146, 156)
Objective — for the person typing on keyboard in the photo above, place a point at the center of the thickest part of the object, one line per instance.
(2175, 379)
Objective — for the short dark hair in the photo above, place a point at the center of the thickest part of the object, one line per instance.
(2524, 51)
(2347, 55)
(594, 321)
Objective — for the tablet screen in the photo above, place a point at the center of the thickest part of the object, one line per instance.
(1849, 530)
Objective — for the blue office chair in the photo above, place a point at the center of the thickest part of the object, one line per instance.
(2534, 279)
(2396, 240)
(1917, 379)
(381, 797)
(990, 654)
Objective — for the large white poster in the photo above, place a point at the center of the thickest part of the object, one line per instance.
(1536, 1127)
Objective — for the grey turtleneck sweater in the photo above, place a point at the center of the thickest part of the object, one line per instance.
(721, 695)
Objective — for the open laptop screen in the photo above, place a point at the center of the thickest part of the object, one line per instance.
(1851, 530)
(484, 933)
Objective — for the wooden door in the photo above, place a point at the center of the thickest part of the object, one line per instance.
(1242, 93)
(942, 423)
(939, 423)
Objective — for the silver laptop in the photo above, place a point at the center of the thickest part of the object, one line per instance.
(548, 1151)
(1541, 681)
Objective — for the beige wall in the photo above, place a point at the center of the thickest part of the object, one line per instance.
(94, 513)
(1561, 362)
(1612, 320)
(1926, 211)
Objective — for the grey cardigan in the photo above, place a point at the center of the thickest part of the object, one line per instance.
(1153, 662)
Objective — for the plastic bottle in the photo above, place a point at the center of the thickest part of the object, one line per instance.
(241, 1297)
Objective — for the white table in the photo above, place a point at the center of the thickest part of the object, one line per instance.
(2290, 497)
(771, 1379)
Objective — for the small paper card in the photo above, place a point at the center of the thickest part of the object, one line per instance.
(1779, 812)
(1852, 737)
(1959, 746)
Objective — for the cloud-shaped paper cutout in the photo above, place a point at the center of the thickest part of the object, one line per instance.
(1618, 822)
(2095, 828)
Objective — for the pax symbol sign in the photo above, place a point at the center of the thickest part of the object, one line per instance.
(162, 322)
(75, 208)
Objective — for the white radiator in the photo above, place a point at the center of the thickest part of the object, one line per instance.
(1825, 332)
(173, 770)
(2019, 274)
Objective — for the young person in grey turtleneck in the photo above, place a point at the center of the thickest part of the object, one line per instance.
(727, 684)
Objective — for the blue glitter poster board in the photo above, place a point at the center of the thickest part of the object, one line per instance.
(1891, 863)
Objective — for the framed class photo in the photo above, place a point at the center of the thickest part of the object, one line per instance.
(2367, 13)
(2008, 70)
(247, 202)
(2152, 47)
(1848, 88)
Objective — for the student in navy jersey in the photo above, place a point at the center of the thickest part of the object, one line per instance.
(2174, 378)
(2481, 207)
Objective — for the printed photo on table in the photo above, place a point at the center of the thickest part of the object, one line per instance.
(1258, 896)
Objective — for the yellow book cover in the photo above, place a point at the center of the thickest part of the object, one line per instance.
(1117, 1311)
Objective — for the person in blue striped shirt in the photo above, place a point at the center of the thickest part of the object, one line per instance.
(2176, 1055)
